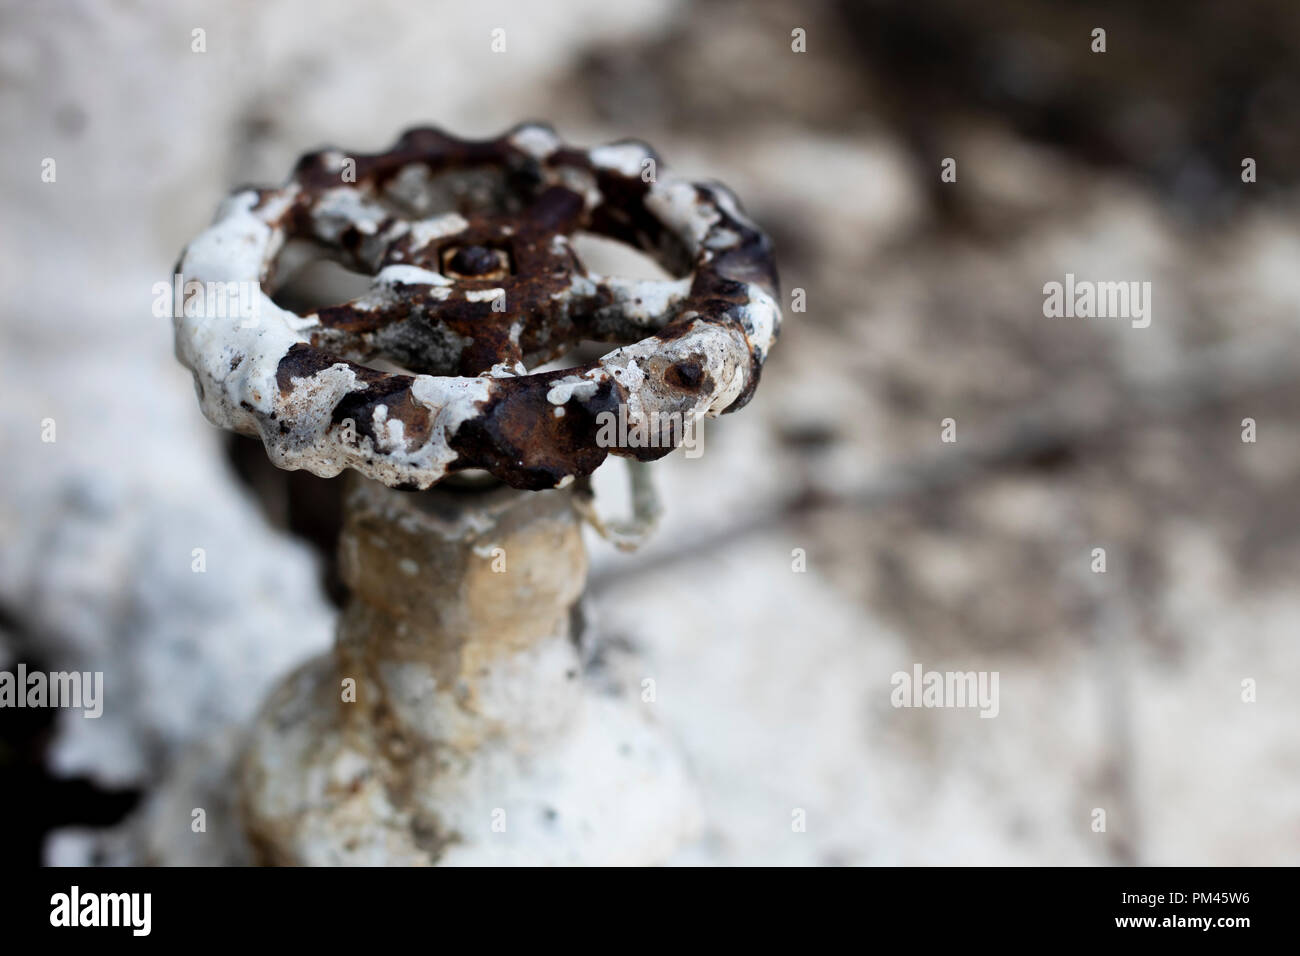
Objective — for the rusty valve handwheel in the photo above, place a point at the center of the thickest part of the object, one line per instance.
(474, 280)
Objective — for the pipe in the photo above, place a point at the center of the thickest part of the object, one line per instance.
(451, 724)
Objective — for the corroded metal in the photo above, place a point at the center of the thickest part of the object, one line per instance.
(454, 699)
(475, 280)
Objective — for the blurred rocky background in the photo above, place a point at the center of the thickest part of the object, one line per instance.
(924, 301)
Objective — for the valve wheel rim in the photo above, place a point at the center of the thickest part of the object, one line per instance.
(464, 300)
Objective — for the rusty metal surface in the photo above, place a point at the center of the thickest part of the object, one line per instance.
(475, 280)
